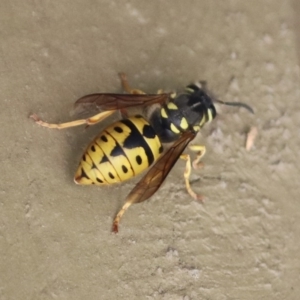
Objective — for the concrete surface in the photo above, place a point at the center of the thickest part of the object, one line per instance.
(55, 239)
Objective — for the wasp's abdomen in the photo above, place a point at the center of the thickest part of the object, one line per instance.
(121, 151)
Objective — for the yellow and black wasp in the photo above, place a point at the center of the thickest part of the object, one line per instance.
(130, 146)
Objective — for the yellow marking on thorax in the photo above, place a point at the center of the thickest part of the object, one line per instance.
(183, 123)
(174, 128)
(163, 113)
(172, 105)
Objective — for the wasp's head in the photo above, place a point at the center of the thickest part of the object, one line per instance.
(200, 103)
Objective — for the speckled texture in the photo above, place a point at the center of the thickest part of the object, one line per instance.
(55, 239)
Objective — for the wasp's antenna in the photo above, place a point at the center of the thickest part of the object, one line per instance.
(239, 104)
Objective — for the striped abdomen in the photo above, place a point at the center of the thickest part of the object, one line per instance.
(121, 151)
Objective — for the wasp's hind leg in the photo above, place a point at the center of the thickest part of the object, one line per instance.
(188, 168)
(89, 121)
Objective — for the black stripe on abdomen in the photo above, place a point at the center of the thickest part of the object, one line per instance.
(136, 139)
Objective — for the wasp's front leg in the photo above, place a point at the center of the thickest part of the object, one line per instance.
(126, 86)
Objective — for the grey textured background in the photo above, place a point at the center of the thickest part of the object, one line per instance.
(55, 239)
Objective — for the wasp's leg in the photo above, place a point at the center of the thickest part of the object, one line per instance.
(160, 91)
(118, 217)
(187, 174)
(90, 121)
(203, 84)
(126, 86)
(188, 168)
(129, 90)
(201, 151)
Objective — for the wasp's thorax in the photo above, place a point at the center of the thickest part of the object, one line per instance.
(187, 111)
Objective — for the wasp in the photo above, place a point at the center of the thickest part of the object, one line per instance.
(135, 143)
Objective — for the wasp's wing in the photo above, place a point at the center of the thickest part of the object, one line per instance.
(103, 102)
(151, 182)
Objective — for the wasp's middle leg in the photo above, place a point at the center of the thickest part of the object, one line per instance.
(188, 168)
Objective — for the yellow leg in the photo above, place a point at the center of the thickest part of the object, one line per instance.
(118, 217)
(126, 85)
(201, 152)
(94, 119)
(90, 121)
(188, 168)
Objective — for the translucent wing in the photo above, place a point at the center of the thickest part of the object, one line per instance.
(103, 102)
(151, 182)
